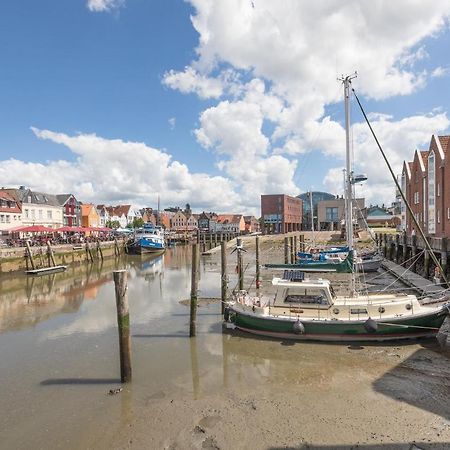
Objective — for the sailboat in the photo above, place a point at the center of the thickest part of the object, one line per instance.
(309, 309)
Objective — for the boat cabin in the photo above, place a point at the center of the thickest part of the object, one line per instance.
(303, 294)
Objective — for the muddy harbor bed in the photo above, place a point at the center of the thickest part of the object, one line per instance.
(222, 389)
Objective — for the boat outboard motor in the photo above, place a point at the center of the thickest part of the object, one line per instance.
(370, 325)
(298, 327)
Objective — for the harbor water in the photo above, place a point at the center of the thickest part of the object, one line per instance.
(223, 389)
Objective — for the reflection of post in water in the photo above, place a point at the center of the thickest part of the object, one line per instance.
(51, 282)
(30, 287)
(194, 368)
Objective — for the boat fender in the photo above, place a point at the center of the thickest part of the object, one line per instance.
(298, 327)
(370, 325)
(226, 314)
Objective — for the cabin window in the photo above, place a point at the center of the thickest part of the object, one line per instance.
(358, 311)
(312, 297)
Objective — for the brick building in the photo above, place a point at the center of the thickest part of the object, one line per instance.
(281, 213)
(424, 182)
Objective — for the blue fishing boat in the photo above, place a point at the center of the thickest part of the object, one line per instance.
(148, 239)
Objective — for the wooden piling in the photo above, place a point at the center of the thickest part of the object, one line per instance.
(240, 264)
(215, 239)
(258, 274)
(405, 247)
(426, 264)
(51, 257)
(194, 291)
(295, 248)
(116, 247)
(223, 273)
(397, 249)
(123, 323)
(414, 253)
(444, 256)
(99, 250)
(286, 250)
(89, 256)
(30, 255)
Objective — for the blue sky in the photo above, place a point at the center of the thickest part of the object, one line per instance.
(236, 96)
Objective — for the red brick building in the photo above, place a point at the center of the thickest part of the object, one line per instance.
(281, 213)
(426, 183)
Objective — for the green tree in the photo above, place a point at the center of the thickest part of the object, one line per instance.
(114, 224)
(137, 222)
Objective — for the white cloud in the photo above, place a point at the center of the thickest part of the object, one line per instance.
(172, 122)
(113, 170)
(190, 81)
(104, 5)
(285, 58)
(440, 72)
(399, 139)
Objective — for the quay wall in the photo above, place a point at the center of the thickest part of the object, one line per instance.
(15, 258)
(411, 252)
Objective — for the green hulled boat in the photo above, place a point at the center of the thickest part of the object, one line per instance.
(309, 310)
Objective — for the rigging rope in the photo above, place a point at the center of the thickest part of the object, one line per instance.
(416, 223)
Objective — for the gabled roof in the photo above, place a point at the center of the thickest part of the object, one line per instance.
(229, 218)
(86, 208)
(443, 143)
(122, 209)
(39, 198)
(420, 159)
(407, 168)
(64, 198)
(9, 198)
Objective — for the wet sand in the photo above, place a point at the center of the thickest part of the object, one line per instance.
(223, 389)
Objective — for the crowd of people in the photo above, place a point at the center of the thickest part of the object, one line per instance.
(36, 240)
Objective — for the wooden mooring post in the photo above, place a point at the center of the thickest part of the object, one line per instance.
(414, 253)
(223, 274)
(89, 255)
(99, 250)
(295, 248)
(258, 273)
(51, 257)
(30, 255)
(444, 255)
(286, 250)
(240, 267)
(123, 323)
(194, 292)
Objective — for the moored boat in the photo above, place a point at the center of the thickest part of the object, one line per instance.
(307, 309)
(148, 239)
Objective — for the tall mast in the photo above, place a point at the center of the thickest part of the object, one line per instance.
(348, 176)
(348, 158)
(312, 216)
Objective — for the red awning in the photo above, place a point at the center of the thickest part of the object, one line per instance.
(34, 229)
(68, 229)
(97, 229)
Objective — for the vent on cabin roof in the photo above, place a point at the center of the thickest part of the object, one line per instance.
(293, 275)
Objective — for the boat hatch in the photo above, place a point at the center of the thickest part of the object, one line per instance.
(293, 275)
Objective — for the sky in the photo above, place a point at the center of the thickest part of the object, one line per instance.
(214, 103)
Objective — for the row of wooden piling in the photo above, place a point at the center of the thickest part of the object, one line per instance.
(293, 244)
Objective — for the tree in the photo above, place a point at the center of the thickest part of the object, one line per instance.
(137, 222)
(114, 224)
